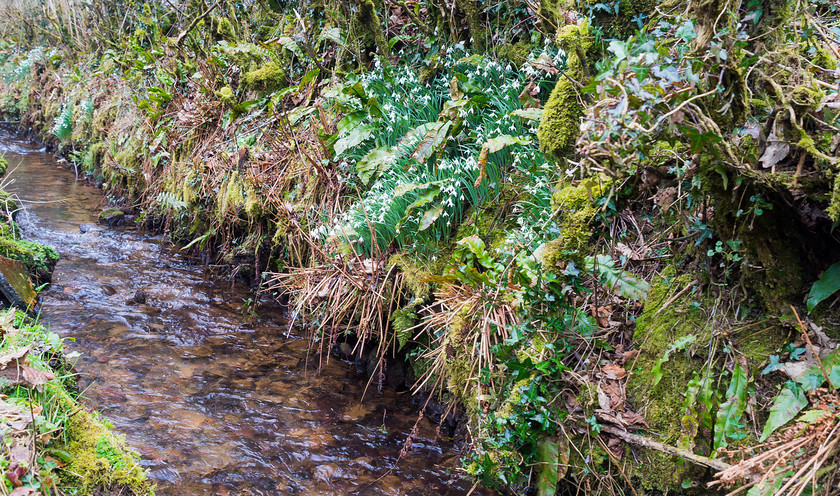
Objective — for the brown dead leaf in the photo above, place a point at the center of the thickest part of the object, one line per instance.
(24, 491)
(24, 375)
(627, 356)
(612, 371)
(616, 447)
(15, 355)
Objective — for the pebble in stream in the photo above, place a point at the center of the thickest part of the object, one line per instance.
(215, 401)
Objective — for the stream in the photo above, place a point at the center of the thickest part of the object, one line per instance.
(217, 400)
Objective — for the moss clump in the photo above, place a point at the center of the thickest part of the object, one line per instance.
(517, 52)
(657, 329)
(99, 459)
(225, 29)
(577, 205)
(560, 125)
(473, 15)
(226, 96)
(8, 205)
(368, 22)
(40, 260)
(4, 165)
(268, 77)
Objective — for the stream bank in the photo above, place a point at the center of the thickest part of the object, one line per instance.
(217, 395)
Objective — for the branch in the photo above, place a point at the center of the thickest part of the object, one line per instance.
(194, 23)
(664, 448)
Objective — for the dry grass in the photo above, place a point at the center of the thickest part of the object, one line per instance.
(803, 457)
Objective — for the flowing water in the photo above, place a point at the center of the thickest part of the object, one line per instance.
(215, 399)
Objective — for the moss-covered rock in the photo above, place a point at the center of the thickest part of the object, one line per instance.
(39, 259)
(99, 459)
(667, 320)
(577, 209)
(268, 77)
(560, 125)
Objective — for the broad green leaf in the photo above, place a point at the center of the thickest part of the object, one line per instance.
(356, 136)
(405, 188)
(375, 163)
(533, 114)
(430, 217)
(813, 377)
(730, 412)
(421, 201)
(553, 458)
(477, 247)
(789, 402)
(812, 416)
(434, 140)
(620, 281)
(290, 44)
(826, 285)
(834, 376)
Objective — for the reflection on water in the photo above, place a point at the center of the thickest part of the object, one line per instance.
(215, 401)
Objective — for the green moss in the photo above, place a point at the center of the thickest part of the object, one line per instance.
(473, 15)
(225, 29)
(657, 329)
(99, 459)
(4, 164)
(268, 77)
(560, 125)
(39, 259)
(577, 205)
(8, 205)
(416, 273)
(226, 96)
(517, 52)
(368, 22)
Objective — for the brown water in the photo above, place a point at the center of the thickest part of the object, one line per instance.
(217, 401)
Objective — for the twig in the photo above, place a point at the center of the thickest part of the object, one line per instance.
(664, 448)
(194, 23)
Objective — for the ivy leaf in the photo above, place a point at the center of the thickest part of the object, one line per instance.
(826, 285)
(789, 403)
(730, 412)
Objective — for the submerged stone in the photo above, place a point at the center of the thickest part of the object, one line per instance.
(15, 284)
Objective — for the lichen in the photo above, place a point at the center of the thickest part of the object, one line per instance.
(560, 125)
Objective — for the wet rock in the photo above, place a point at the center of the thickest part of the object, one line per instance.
(89, 227)
(15, 284)
(140, 297)
(112, 217)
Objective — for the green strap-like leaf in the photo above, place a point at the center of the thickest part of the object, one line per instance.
(789, 403)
